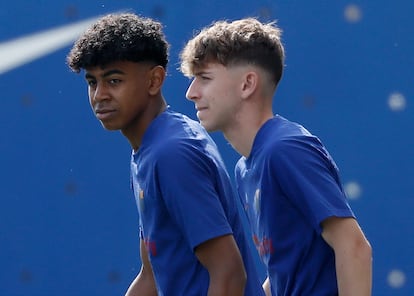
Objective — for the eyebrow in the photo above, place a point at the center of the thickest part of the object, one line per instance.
(202, 72)
(105, 74)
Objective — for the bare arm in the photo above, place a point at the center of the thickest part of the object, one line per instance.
(221, 257)
(144, 283)
(353, 255)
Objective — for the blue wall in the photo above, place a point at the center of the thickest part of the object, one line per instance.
(68, 221)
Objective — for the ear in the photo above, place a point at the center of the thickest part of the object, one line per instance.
(250, 84)
(156, 79)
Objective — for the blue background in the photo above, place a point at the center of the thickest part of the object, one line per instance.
(68, 221)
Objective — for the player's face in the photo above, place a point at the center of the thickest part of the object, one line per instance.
(118, 93)
(215, 92)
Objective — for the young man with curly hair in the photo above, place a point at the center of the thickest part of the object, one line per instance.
(304, 229)
(191, 236)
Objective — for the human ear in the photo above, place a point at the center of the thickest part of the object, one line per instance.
(157, 76)
(250, 84)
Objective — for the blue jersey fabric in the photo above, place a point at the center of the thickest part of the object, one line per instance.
(184, 198)
(289, 184)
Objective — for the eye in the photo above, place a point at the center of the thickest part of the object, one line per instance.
(91, 82)
(114, 81)
(202, 78)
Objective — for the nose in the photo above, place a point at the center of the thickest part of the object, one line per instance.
(192, 93)
(98, 93)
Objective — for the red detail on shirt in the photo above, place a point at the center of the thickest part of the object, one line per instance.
(150, 246)
(264, 246)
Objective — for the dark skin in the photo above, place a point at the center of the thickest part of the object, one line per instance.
(220, 256)
(127, 96)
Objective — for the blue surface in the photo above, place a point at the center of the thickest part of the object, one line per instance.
(68, 221)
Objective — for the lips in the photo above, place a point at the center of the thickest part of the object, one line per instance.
(202, 112)
(104, 113)
(198, 108)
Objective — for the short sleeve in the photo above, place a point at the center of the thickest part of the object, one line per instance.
(186, 178)
(309, 178)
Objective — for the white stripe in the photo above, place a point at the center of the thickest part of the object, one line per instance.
(20, 51)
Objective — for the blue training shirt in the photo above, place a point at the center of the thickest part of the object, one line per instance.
(289, 184)
(184, 198)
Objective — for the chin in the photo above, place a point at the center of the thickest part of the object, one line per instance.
(110, 127)
(207, 127)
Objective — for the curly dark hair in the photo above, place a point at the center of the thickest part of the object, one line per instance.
(119, 37)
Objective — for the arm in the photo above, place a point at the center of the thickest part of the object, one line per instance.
(266, 287)
(144, 283)
(221, 257)
(353, 255)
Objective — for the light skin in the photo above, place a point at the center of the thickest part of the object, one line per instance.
(228, 99)
(353, 255)
(127, 96)
(237, 100)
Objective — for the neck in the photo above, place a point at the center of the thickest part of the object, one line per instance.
(135, 132)
(253, 113)
(241, 136)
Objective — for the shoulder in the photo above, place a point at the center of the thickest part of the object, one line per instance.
(179, 139)
(184, 149)
(286, 141)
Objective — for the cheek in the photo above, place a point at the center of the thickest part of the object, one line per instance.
(226, 98)
(215, 93)
(90, 99)
(90, 95)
